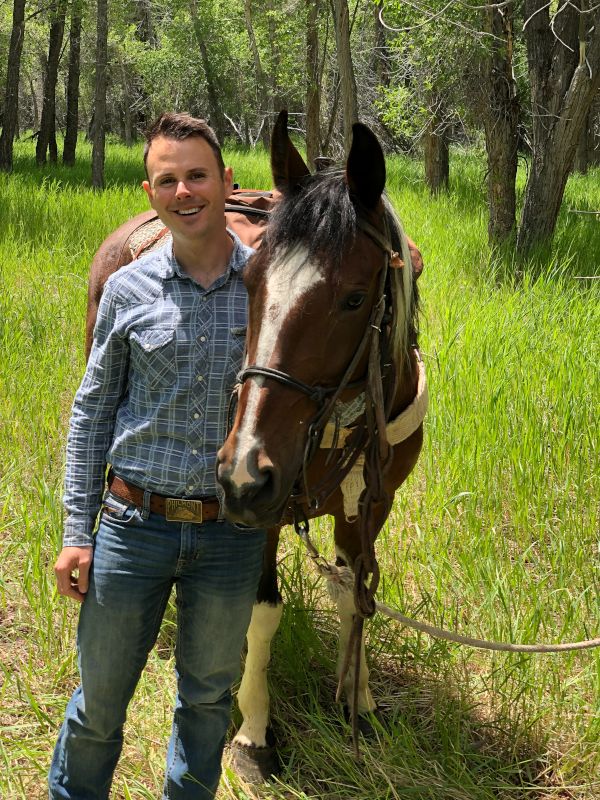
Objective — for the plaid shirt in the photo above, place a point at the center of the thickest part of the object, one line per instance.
(153, 400)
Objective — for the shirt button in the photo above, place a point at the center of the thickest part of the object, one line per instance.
(196, 416)
(190, 487)
(203, 338)
(194, 452)
(199, 377)
(204, 298)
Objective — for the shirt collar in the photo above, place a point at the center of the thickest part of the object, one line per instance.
(240, 254)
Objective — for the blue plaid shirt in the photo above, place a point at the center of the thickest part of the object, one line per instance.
(153, 400)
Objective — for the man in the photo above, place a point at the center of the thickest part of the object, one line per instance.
(167, 346)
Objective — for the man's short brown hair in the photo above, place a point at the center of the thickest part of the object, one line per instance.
(182, 126)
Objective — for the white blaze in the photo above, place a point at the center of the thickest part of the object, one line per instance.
(289, 278)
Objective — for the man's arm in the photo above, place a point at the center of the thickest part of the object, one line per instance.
(90, 437)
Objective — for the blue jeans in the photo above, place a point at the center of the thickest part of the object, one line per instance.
(215, 568)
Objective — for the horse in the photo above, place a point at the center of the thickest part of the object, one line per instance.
(332, 303)
(314, 254)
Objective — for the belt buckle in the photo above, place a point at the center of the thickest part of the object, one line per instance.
(180, 510)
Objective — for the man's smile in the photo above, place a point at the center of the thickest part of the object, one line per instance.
(186, 212)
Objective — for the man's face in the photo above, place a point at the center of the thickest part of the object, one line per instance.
(186, 187)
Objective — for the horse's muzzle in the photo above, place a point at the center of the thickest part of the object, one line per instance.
(252, 491)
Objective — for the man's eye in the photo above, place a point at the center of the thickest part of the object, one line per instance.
(166, 181)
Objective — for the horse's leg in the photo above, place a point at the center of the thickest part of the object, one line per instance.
(255, 758)
(347, 546)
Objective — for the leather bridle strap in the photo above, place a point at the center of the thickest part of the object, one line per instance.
(315, 393)
(381, 239)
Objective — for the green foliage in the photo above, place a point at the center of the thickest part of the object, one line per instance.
(401, 111)
(496, 532)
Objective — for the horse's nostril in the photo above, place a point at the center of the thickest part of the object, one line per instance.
(268, 483)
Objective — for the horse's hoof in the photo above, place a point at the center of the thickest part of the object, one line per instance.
(254, 764)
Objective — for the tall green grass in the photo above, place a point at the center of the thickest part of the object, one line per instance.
(495, 534)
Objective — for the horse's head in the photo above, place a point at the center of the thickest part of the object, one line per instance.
(312, 287)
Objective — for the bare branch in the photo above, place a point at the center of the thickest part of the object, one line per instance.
(431, 18)
(472, 31)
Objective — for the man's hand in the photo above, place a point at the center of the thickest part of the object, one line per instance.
(72, 570)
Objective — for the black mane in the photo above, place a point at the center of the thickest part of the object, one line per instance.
(318, 214)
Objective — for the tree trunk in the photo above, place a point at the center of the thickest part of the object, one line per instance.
(277, 101)
(437, 155)
(127, 125)
(563, 84)
(500, 120)
(378, 63)
(588, 148)
(265, 106)
(313, 90)
(144, 28)
(581, 161)
(594, 132)
(11, 94)
(216, 117)
(144, 32)
(70, 143)
(46, 141)
(346, 69)
(332, 114)
(100, 80)
(34, 104)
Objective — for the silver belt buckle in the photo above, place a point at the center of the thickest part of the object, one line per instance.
(179, 510)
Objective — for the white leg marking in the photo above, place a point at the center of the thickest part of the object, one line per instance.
(253, 694)
(289, 278)
(346, 610)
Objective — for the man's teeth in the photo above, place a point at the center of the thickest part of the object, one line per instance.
(187, 211)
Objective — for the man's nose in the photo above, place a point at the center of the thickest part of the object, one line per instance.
(182, 189)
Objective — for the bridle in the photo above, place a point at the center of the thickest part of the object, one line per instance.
(318, 394)
(326, 397)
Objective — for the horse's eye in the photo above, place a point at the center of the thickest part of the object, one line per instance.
(354, 300)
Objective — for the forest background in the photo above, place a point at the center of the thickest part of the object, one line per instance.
(521, 78)
(489, 119)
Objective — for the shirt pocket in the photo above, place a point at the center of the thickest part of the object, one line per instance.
(153, 356)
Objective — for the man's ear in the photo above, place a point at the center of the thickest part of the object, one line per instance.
(148, 189)
(228, 180)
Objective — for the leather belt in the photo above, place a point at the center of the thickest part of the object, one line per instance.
(174, 509)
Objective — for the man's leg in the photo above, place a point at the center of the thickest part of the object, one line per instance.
(132, 575)
(216, 589)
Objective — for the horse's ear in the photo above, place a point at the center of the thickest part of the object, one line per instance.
(287, 165)
(365, 168)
